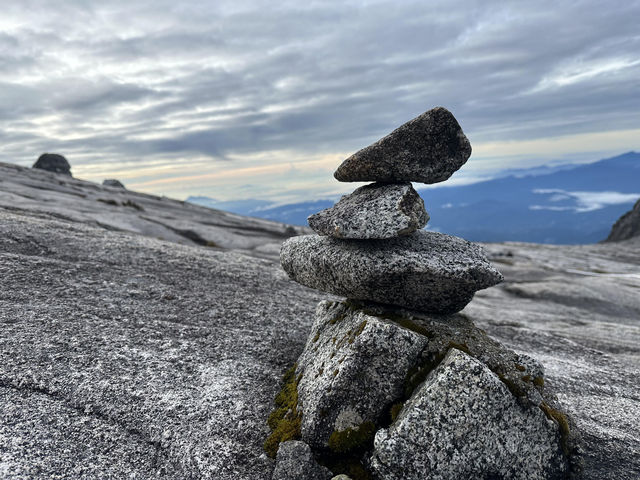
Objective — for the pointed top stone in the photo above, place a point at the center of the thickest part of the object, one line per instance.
(427, 149)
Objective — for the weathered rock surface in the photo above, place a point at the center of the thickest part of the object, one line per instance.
(353, 368)
(25, 190)
(295, 462)
(627, 226)
(52, 162)
(426, 271)
(427, 149)
(373, 212)
(463, 422)
(112, 182)
(133, 357)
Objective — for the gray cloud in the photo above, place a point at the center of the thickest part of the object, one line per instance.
(142, 78)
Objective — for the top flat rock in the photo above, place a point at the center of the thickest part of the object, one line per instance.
(374, 211)
(427, 149)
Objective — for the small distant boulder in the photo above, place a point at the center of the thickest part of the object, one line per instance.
(53, 162)
(112, 182)
(627, 226)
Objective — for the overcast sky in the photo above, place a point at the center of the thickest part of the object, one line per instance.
(264, 99)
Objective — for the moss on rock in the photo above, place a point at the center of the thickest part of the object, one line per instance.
(285, 420)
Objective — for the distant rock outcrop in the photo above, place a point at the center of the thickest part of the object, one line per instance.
(627, 226)
(112, 182)
(52, 162)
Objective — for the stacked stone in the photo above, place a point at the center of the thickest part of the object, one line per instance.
(370, 245)
(392, 382)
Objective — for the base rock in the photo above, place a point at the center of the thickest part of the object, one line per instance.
(462, 422)
(425, 271)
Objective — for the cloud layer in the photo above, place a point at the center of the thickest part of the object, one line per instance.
(264, 99)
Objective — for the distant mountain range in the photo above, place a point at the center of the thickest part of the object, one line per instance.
(563, 205)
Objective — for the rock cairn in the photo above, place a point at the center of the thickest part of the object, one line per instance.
(371, 246)
(393, 383)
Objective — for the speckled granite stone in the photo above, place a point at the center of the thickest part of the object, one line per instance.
(463, 422)
(427, 149)
(373, 212)
(425, 271)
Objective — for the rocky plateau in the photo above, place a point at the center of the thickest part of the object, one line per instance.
(146, 338)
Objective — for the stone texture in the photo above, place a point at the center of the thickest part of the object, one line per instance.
(425, 271)
(427, 149)
(627, 226)
(360, 359)
(295, 462)
(124, 356)
(353, 368)
(463, 422)
(374, 211)
(112, 182)
(53, 162)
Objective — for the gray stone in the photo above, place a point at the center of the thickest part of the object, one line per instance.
(295, 462)
(53, 162)
(360, 359)
(373, 212)
(427, 149)
(353, 368)
(463, 422)
(112, 182)
(425, 271)
(627, 226)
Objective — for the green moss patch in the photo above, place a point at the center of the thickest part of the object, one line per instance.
(285, 420)
(563, 424)
(351, 439)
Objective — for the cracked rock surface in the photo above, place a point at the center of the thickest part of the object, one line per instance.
(128, 356)
(373, 212)
(463, 422)
(427, 149)
(426, 271)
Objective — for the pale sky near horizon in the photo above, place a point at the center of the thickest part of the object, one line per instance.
(263, 100)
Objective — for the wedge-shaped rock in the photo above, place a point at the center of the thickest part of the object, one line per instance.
(353, 368)
(463, 422)
(425, 271)
(427, 149)
(375, 211)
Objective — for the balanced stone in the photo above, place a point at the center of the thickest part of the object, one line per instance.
(373, 212)
(427, 149)
(426, 271)
(53, 162)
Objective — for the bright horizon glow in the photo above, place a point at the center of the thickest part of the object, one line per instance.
(236, 101)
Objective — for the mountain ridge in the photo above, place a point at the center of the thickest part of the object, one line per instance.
(564, 205)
